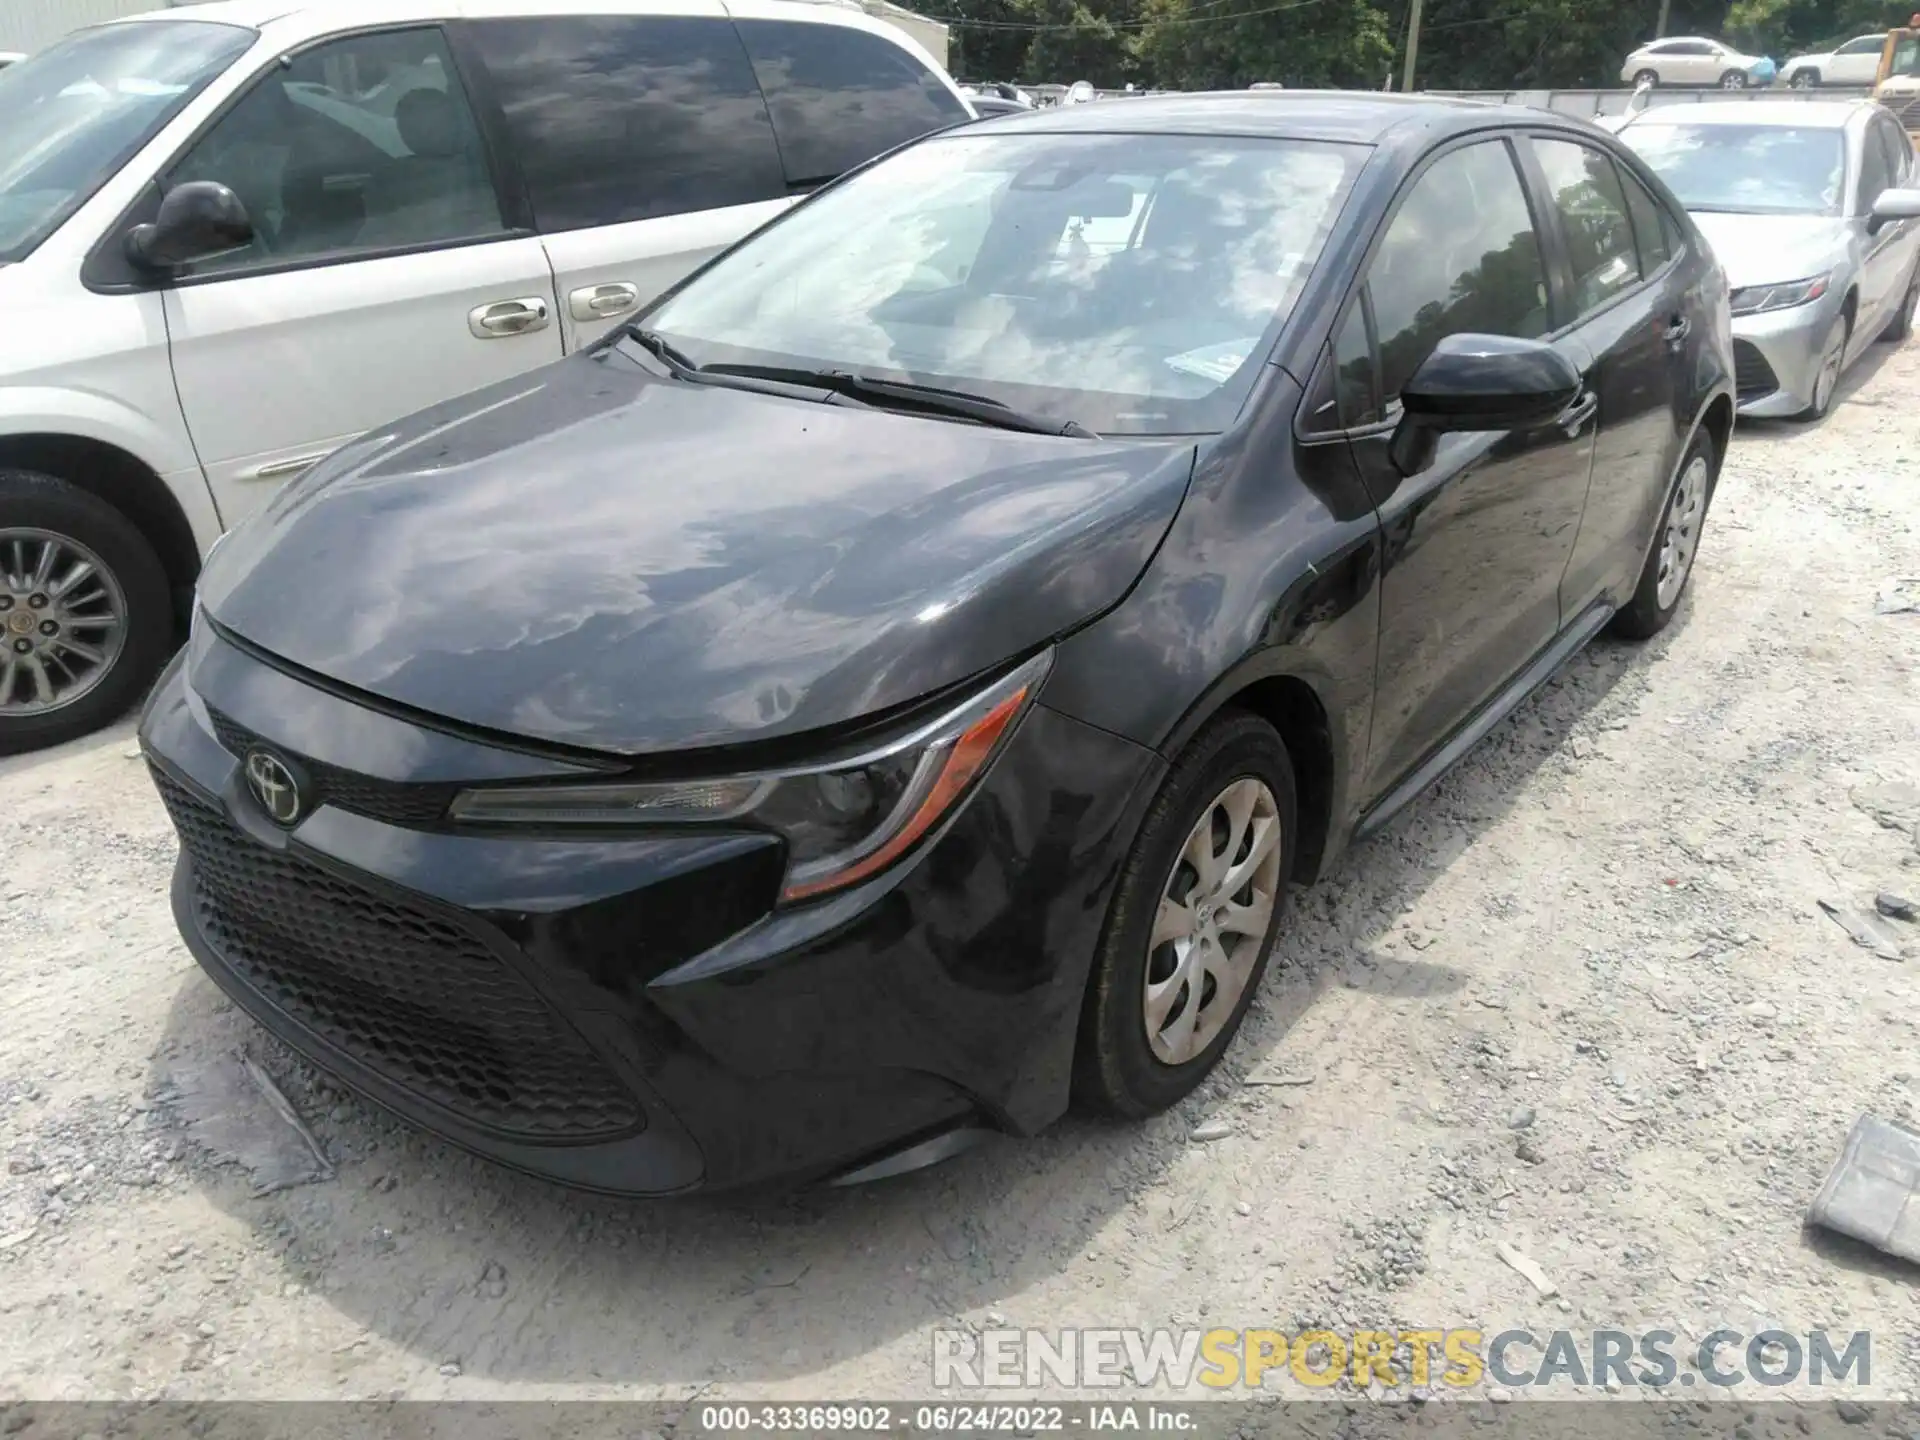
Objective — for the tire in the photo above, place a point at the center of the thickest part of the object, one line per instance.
(1804, 80)
(1901, 325)
(1117, 1069)
(1649, 612)
(1734, 80)
(1826, 384)
(1647, 77)
(36, 509)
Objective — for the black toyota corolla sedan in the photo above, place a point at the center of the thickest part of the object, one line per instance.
(886, 692)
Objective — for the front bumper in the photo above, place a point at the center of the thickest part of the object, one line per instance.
(1777, 356)
(629, 1013)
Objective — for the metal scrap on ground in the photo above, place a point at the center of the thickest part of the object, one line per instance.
(1866, 930)
(1873, 1191)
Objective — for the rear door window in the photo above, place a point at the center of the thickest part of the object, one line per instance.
(1593, 215)
(840, 96)
(630, 117)
(1651, 229)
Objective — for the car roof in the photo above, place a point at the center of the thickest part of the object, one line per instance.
(1787, 114)
(1355, 116)
(336, 15)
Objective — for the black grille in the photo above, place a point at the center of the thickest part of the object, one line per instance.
(405, 991)
(396, 802)
(1752, 375)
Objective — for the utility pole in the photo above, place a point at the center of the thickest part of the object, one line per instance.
(1660, 29)
(1413, 44)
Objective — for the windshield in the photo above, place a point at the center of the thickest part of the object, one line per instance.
(1130, 283)
(74, 113)
(1748, 169)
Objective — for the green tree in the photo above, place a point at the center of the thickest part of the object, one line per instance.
(1216, 44)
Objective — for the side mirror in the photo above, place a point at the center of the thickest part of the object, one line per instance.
(197, 220)
(1892, 205)
(1479, 382)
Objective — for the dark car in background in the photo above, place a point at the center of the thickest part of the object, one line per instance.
(890, 688)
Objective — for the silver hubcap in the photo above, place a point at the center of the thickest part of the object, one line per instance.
(63, 621)
(1734, 82)
(1683, 531)
(1213, 918)
(1829, 375)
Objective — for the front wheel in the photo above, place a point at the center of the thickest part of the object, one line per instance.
(1901, 325)
(1826, 380)
(1193, 921)
(85, 613)
(1734, 80)
(1663, 580)
(1803, 80)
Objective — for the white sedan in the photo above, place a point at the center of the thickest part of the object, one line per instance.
(1693, 60)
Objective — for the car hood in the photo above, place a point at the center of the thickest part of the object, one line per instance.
(596, 557)
(1767, 249)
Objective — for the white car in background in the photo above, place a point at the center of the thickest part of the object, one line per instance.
(233, 237)
(1693, 60)
(1855, 63)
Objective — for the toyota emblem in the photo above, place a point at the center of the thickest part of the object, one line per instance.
(275, 786)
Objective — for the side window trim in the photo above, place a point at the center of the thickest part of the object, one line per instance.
(1899, 146)
(1326, 376)
(147, 201)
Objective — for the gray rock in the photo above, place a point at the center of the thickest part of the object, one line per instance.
(1521, 1118)
(1896, 907)
(1208, 1131)
(1894, 804)
(450, 1369)
(1852, 1412)
(1865, 930)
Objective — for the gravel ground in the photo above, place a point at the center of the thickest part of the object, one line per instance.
(1580, 1000)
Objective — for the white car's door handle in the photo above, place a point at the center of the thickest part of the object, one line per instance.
(507, 317)
(602, 302)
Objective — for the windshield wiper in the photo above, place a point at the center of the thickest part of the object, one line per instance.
(662, 349)
(906, 395)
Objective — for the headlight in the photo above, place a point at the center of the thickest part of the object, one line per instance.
(1752, 299)
(844, 819)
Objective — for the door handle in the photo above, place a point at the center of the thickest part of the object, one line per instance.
(1578, 413)
(507, 317)
(602, 302)
(1677, 332)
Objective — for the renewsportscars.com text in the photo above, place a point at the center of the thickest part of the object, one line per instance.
(1262, 1359)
